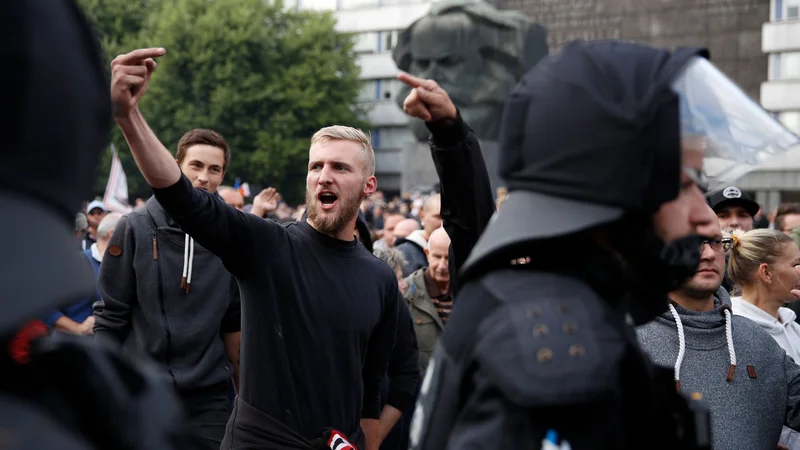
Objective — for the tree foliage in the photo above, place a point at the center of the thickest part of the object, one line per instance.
(263, 76)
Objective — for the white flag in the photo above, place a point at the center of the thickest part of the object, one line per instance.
(116, 197)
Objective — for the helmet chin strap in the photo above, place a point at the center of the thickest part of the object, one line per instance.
(654, 268)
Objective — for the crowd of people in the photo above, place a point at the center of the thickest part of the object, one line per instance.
(182, 268)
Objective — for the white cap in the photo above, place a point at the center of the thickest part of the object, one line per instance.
(96, 204)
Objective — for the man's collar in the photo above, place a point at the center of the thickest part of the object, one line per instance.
(96, 253)
(432, 287)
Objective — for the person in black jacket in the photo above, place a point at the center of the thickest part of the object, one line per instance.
(541, 353)
(60, 392)
(169, 299)
(399, 388)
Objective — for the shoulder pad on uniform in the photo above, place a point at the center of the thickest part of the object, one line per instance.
(550, 342)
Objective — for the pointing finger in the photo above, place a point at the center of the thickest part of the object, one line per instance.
(138, 56)
(414, 82)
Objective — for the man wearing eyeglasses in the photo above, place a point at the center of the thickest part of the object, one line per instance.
(751, 386)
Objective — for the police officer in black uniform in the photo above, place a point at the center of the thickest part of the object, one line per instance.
(602, 149)
(57, 392)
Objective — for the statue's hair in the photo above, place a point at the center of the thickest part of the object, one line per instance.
(521, 41)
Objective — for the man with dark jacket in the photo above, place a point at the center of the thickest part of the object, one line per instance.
(542, 351)
(167, 297)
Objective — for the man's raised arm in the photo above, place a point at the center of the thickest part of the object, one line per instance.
(130, 75)
(219, 228)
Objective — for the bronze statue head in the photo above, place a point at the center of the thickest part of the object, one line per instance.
(476, 53)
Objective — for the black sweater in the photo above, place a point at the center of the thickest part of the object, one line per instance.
(319, 315)
(466, 207)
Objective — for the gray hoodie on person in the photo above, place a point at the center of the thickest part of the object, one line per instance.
(751, 385)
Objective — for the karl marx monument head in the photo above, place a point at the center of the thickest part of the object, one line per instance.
(476, 53)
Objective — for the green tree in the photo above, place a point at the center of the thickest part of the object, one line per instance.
(264, 77)
(117, 23)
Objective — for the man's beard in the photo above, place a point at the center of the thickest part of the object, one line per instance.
(348, 208)
(698, 291)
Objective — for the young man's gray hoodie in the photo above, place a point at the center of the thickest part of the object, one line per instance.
(751, 385)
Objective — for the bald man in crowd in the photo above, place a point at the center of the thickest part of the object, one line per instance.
(404, 228)
(429, 296)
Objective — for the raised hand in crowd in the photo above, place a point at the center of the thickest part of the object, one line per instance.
(266, 202)
(130, 74)
(427, 101)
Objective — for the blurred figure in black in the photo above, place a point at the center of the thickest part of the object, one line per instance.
(602, 150)
(59, 392)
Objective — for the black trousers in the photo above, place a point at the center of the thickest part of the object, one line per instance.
(207, 412)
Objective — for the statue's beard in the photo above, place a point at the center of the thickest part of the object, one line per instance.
(331, 224)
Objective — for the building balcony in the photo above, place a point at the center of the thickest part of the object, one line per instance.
(780, 36)
(380, 18)
(781, 95)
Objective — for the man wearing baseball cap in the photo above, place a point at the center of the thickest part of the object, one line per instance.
(95, 212)
(735, 209)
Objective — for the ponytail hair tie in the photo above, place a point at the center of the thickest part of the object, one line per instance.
(736, 240)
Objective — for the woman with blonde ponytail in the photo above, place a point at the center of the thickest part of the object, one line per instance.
(765, 264)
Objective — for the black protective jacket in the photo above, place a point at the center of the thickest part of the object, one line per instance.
(536, 349)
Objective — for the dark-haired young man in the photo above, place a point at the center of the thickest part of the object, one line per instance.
(167, 297)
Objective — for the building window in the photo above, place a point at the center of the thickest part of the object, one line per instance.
(389, 40)
(383, 89)
(389, 88)
(786, 9)
(366, 42)
(391, 137)
(367, 91)
(791, 119)
(786, 66)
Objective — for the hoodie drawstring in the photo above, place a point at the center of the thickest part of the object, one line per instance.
(682, 344)
(729, 335)
(188, 262)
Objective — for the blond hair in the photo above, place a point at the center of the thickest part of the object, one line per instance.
(752, 249)
(344, 133)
